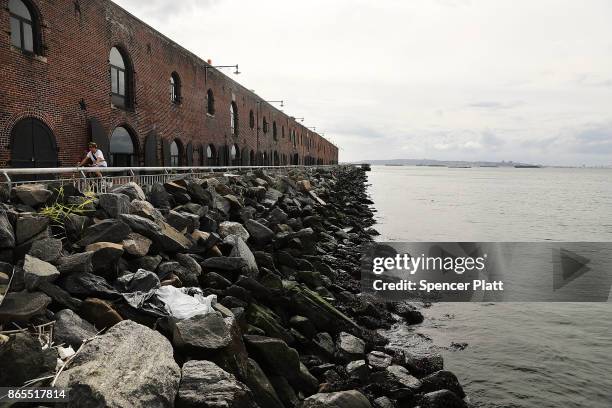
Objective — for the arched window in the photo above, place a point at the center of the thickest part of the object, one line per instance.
(175, 154)
(251, 119)
(234, 118)
(210, 102)
(121, 148)
(175, 88)
(265, 125)
(211, 159)
(24, 27)
(235, 155)
(120, 79)
(274, 131)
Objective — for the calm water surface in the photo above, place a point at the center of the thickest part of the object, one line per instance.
(518, 354)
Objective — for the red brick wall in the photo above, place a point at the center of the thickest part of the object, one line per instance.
(74, 67)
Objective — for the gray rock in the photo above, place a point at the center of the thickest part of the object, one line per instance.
(75, 225)
(185, 275)
(189, 263)
(48, 250)
(358, 369)
(149, 263)
(228, 228)
(284, 391)
(379, 360)
(278, 358)
(37, 271)
(32, 194)
(59, 296)
(424, 364)
(350, 347)
(136, 244)
(159, 197)
(7, 235)
(260, 234)
(442, 380)
(104, 256)
(441, 399)
(224, 263)
(29, 227)
(129, 366)
(162, 234)
(114, 204)
(278, 216)
(180, 222)
(140, 281)
(22, 306)
(324, 343)
(22, 359)
(204, 384)
(401, 376)
(146, 210)
(132, 190)
(71, 330)
(202, 333)
(383, 402)
(303, 325)
(213, 280)
(242, 250)
(264, 393)
(76, 263)
(109, 230)
(342, 399)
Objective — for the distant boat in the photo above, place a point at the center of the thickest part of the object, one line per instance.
(489, 165)
(435, 165)
(527, 166)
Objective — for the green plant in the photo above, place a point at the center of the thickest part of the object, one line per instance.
(57, 212)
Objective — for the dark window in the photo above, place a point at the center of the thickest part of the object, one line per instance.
(175, 88)
(210, 102)
(23, 26)
(121, 148)
(274, 131)
(175, 154)
(251, 119)
(234, 118)
(265, 125)
(119, 79)
(283, 132)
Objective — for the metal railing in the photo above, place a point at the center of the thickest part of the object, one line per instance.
(87, 178)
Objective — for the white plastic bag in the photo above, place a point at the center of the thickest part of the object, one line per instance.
(182, 306)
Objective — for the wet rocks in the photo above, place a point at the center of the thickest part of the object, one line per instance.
(442, 380)
(99, 374)
(441, 399)
(204, 384)
(350, 347)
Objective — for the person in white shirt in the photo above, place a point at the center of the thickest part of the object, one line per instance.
(94, 158)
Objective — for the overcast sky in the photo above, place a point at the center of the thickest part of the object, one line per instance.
(522, 80)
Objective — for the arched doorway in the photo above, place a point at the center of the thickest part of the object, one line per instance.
(276, 159)
(122, 150)
(211, 155)
(176, 153)
(252, 158)
(33, 145)
(234, 155)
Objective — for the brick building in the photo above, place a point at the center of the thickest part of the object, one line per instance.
(79, 70)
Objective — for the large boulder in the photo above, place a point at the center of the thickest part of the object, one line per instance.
(278, 358)
(263, 318)
(109, 230)
(165, 237)
(342, 399)
(37, 271)
(48, 249)
(159, 197)
(205, 384)
(32, 194)
(22, 359)
(146, 210)
(442, 380)
(84, 285)
(104, 257)
(114, 204)
(129, 366)
(242, 250)
(132, 190)
(81, 262)
(71, 330)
